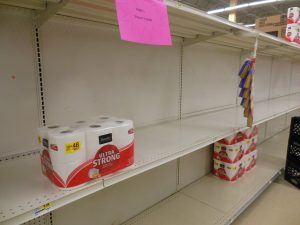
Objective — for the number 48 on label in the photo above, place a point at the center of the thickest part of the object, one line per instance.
(72, 147)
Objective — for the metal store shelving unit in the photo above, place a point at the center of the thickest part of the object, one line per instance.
(153, 148)
(25, 190)
(187, 22)
(211, 201)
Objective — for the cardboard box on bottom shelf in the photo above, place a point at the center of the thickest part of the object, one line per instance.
(230, 149)
(229, 153)
(228, 171)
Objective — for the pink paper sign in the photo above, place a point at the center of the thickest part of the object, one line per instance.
(144, 21)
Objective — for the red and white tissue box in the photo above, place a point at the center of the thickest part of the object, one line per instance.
(293, 15)
(228, 171)
(74, 155)
(292, 33)
(251, 138)
(250, 161)
(233, 139)
(230, 149)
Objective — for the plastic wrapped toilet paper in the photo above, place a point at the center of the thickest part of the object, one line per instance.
(87, 150)
(67, 151)
(123, 129)
(64, 170)
(43, 137)
(79, 124)
(104, 118)
(97, 135)
(67, 146)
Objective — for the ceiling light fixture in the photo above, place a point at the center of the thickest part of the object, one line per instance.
(250, 25)
(243, 6)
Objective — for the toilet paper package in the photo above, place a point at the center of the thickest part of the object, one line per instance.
(43, 141)
(66, 154)
(292, 33)
(293, 15)
(231, 149)
(87, 150)
(228, 171)
(97, 135)
(111, 146)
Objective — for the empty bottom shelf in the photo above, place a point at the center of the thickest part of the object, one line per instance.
(211, 201)
(278, 205)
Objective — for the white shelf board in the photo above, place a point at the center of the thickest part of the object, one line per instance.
(228, 200)
(159, 144)
(178, 209)
(282, 201)
(23, 188)
(185, 21)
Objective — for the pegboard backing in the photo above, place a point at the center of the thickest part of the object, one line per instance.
(262, 132)
(295, 79)
(281, 77)
(262, 78)
(118, 203)
(209, 77)
(194, 166)
(42, 220)
(18, 90)
(274, 126)
(88, 71)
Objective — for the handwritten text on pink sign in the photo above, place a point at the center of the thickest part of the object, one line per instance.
(144, 21)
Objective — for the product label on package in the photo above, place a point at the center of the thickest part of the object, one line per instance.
(43, 208)
(105, 139)
(45, 143)
(107, 158)
(72, 147)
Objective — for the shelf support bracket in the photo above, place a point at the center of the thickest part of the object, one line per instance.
(200, 38)
(51, 9)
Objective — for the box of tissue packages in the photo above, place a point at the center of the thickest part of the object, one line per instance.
(235, 155)
(230, 149)
(228, 171)
(73, 155)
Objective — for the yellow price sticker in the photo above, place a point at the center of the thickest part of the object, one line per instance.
(72, 147)
(43, 208)
(39, 139)
(47, 205)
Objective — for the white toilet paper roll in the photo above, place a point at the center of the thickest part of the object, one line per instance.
(43, 132)
(67, 146)
(104, 118)
(123, 132)
(79, 124)
(97, 135)
(65, 169)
